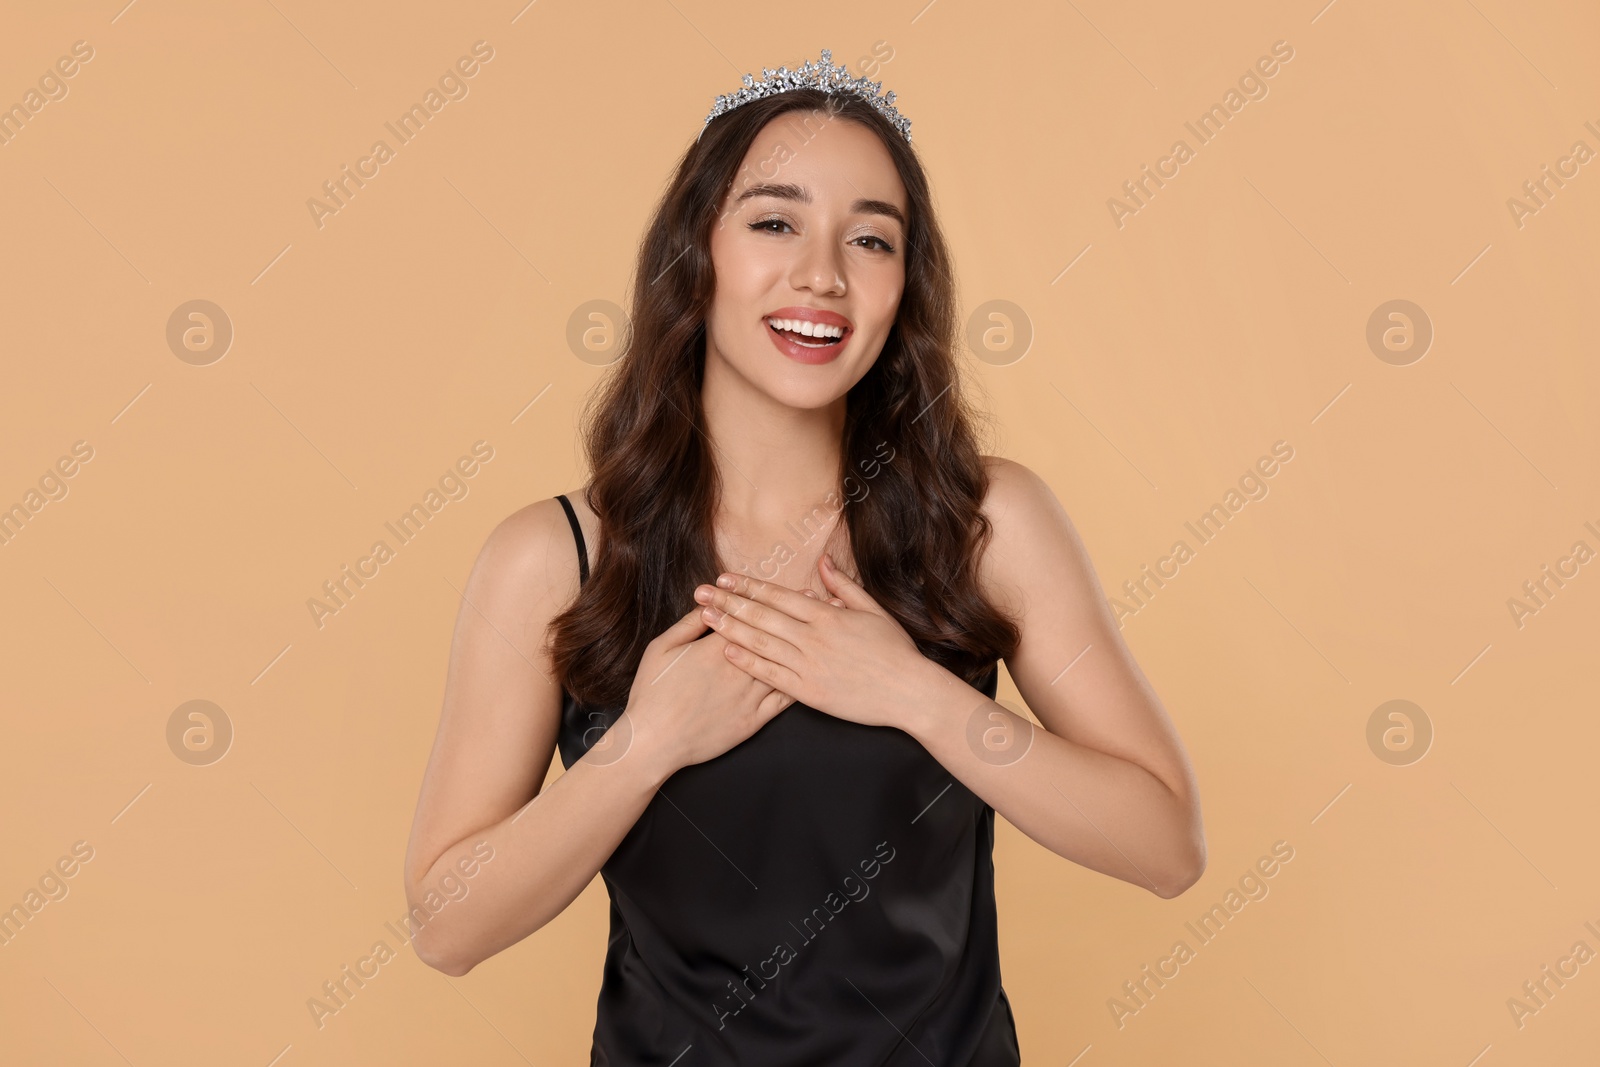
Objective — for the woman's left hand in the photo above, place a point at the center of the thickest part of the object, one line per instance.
(845, 656)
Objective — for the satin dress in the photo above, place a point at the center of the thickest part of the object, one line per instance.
(820, 894)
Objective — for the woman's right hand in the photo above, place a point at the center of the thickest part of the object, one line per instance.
(689, 703)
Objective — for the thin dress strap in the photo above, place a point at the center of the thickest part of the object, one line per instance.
(577, 534)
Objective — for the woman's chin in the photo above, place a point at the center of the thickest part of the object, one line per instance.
(806, 396)
(803, 387)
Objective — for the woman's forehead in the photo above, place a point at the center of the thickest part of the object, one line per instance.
(841, 160)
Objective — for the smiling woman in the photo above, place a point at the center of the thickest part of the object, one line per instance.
(786, 331)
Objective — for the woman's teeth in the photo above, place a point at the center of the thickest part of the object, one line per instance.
(808, 334)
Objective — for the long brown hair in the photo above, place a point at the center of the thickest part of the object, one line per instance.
(917, 535)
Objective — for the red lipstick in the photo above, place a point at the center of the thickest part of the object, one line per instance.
(821, 346)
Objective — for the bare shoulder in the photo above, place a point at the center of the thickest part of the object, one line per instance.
(527, 570)
(1031, 528)
(1020, 504)
(1011, 482)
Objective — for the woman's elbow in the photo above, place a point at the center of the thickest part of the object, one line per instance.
(1186, 874)
(1177, 886)
(439, 956)
(1186, 867)
(432, 942)
(1186, 858)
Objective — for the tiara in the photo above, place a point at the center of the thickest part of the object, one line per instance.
(824, 76)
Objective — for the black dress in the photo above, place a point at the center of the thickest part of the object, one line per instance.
(820, 895)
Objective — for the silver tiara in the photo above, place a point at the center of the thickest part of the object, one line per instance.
(824, 76)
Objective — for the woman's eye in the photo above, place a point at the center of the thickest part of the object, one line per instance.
(764, 225)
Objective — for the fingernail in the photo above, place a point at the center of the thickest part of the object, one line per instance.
(710, 614)
(725, 581)
(702, 595)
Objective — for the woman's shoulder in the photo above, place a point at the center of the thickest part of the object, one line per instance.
(1014, 491)
(1028, 520)
(531, 554)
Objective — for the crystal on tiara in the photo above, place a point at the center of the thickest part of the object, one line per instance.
(824, 76)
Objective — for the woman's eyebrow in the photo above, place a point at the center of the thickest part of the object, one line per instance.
(790, 191)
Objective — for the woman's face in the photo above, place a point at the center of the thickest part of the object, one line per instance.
(813, 228)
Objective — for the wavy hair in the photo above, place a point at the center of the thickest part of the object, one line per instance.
(917, 536)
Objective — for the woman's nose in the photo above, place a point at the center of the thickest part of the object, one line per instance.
(819, 267)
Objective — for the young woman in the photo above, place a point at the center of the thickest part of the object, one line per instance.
(765, 636)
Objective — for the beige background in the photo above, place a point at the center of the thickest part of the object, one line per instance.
(1228, 313)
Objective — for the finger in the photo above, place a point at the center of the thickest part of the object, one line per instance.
(781, 678)
(772, 703)
(846, 588)
(763, 617)
(779, 597)
(681, 632)
(757, 638)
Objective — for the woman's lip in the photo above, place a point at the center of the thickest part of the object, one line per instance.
(809, 314)
(800, 353)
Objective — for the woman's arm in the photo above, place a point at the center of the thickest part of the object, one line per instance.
(1107, 783)
(497, 732)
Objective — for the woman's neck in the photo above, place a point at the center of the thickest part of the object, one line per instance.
(781, 499)
(774, 460)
